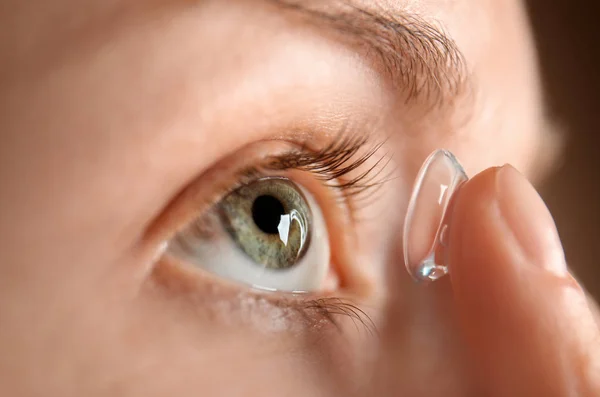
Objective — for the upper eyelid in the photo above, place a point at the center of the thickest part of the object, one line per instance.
(225, 178)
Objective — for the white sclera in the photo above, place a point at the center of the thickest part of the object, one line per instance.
(427, 220)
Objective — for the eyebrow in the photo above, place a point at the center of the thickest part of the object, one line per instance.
(419, 58)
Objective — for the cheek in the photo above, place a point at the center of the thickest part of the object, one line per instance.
(176, 344)
(104, 339)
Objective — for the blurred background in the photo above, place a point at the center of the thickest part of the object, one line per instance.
(567, 33)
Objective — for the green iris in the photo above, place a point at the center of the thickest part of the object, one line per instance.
(269, 220)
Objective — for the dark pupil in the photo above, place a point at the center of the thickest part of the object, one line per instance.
(266, 213)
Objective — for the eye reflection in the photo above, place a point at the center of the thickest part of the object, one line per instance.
(269, 233)
(270, 222)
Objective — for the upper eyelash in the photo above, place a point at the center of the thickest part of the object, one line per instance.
(338, 159)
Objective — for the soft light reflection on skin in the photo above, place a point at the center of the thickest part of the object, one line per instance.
(110, 109)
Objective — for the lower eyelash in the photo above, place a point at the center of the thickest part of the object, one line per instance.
(207, 298)
(331, 308)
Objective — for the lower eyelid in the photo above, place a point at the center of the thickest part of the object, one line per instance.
(211, 302)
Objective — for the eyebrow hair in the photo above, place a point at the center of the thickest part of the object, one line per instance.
(417, 56)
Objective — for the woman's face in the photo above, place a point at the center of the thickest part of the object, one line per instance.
(126, 126)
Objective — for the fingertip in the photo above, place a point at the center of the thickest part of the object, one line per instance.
(473, 215)
(525, 319)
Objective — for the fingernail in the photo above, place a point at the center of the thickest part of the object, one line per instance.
(530, 220)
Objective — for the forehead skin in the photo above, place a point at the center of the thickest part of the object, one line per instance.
(109, 108)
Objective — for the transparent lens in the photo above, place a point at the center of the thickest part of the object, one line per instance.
(427, 217)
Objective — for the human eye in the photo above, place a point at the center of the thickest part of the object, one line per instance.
(268, 233)
(277, 213)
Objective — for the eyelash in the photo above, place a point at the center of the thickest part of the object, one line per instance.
(328, 308)
(332, 163)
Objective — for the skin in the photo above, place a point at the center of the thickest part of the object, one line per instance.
(110, 110)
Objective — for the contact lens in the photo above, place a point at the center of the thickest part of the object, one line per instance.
(427, 217)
